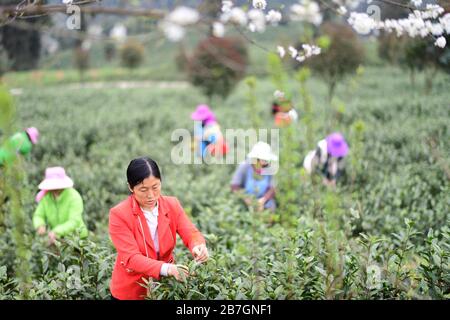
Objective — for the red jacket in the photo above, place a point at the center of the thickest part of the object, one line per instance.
(127, 228)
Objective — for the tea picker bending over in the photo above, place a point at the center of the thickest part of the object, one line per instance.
(254, 177)
(60, 209)
(208, 137)
(328, 158)
(283, 112)
(20, 143)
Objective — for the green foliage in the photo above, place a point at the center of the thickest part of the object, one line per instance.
(9, 175)
(252, 109)
(276, 71)
(307, 118)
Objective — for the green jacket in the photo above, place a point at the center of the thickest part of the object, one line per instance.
(18, 143)
(63, 215)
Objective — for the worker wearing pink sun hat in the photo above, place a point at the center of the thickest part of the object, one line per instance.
(208, 137)
(60, 207)
(20, 143)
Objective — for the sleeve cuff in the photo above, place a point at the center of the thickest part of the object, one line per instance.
(164, 269)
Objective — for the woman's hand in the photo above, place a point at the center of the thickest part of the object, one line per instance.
(178, 271)
(261, 203)
(51, 237)
(200, 253)
(41, 230)
(248, 201)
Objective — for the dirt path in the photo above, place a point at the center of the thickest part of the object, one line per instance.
(117, 85)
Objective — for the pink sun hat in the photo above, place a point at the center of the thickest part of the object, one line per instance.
(336, 145)
(203, 113)
(33, 133)
(55, 179)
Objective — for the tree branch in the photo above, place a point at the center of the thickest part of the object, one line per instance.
(33, 10)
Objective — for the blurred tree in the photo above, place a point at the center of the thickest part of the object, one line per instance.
(23, 44)
(423, 55)
(81, 60)
(342, 57)
(391, 47)
(109, 51)
(217, 65)
(210, 9)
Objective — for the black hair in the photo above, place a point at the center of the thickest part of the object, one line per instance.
(275, 107)
(28, 136)
(140, 169)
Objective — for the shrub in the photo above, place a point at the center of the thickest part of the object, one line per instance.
(343, 56)
(4, 61)
(217, 65)
(391, 47)
(81, 60)
(423, 55)
(109, 51)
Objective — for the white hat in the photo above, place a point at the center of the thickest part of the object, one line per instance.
(261, 150)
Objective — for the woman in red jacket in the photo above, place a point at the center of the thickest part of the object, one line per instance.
(143, 230)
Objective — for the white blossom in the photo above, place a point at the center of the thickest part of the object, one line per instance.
(118, 32)
(86, 45)
(342, 10)
(257, 20)
(95, 30)
(278, 94)
(307, 51)
(416, 3)
(273, 17)
(362, 23)
(310, 50)
(281, 51)
(308, 11)
(259, 4)
(293, 52)
(441, 42)
(445, 22)
(183, 16)
(235, 15)
(218, 29)
(226, 6)
(435, 29)
(300, 58)
(172, 31)
(433, 11)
